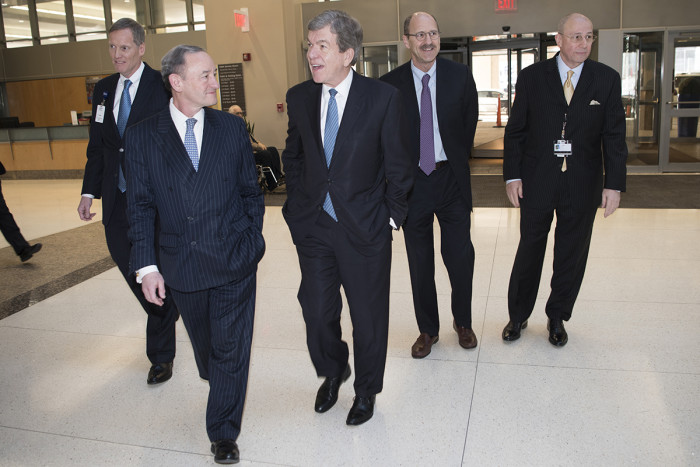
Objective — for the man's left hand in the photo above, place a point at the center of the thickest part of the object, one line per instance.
(611, 201)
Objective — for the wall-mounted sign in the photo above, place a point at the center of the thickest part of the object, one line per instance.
(231, 85)
(506, 6)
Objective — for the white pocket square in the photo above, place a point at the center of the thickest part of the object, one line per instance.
(594, 102)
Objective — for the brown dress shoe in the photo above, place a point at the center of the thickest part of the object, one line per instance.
(423, 345)
(467, 338)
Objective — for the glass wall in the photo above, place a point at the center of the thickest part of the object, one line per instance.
(87, 21)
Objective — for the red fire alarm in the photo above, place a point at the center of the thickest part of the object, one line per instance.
(280, 107)
(246, 57)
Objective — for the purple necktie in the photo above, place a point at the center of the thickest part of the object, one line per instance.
(427, 144)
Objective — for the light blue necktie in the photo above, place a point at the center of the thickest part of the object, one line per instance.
(329, 135)
(122, 118)
(191, 143)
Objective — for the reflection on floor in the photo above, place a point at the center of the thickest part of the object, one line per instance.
(623, 391)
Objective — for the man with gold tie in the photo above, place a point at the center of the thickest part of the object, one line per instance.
(564, 152)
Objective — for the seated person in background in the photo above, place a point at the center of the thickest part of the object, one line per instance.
(267, 156)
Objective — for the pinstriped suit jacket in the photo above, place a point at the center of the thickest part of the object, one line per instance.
(595, 125)
(210, 220)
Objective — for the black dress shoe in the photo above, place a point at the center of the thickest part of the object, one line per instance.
(28, 252)
(327, 394)
(361, 411)
(160, 373)
(512, 330)
(225, 451)
(557, 333)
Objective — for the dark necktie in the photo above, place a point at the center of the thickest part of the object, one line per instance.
(191, 143)
(329, 135)
(122, 118)
(427, 139)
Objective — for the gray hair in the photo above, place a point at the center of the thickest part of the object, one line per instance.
(137, 31)
(173, 62)
(407, 22)
(347, 29)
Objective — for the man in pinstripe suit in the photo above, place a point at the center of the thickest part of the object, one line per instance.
(191, 165)
(567, 126)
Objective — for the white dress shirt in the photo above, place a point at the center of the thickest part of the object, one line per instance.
(341, 99)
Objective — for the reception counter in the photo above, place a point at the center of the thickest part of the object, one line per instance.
(45, 152)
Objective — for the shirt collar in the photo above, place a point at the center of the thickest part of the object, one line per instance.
(135, 78)
(418, 73)
(564, 68)
(343, 88)
(180, 119)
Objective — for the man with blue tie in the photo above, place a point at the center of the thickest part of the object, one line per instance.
(135, 92)
(190, 165)
(348, 176)
(441, 105)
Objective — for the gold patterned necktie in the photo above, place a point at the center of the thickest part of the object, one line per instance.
(568, 86)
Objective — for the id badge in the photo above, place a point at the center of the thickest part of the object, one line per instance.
(562, 148)
(100, 115)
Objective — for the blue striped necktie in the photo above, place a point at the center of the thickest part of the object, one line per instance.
(191, 143)
(329, 135)
(122, 118)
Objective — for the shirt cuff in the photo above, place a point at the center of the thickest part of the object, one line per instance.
(393, 224)
(88, 195)
(513, 180)
(143, 271)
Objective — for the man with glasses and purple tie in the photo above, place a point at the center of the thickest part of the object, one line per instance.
(564, 152)
(441, 107)
(348, 174)
(131, 94)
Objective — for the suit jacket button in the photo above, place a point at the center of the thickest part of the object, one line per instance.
(121, 149)
(193, 243)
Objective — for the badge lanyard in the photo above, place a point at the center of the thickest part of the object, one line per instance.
(562, 147)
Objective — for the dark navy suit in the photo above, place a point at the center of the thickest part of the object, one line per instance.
(446, 193)
(210, 243)
(104, 155)
(368, 180)
(596, 127)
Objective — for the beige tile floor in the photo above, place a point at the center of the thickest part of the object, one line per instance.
(624, 391)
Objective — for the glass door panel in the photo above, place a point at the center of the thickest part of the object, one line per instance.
(641, 91)
(680, 144)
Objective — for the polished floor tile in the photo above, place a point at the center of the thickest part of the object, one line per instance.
(623, 391)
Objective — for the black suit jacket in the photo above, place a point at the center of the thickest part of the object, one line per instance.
(595, 125)
(210, 220)
(370, 173)
(104, 151)
(457, 111)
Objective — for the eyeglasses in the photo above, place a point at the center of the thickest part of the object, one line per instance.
(578, 38)
(420, 36)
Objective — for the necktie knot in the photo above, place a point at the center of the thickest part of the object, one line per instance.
(426, 80)
(332, 92)
(127, 84)
(569, 74)
(191, 123)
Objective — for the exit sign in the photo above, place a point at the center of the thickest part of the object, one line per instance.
(506, 5)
